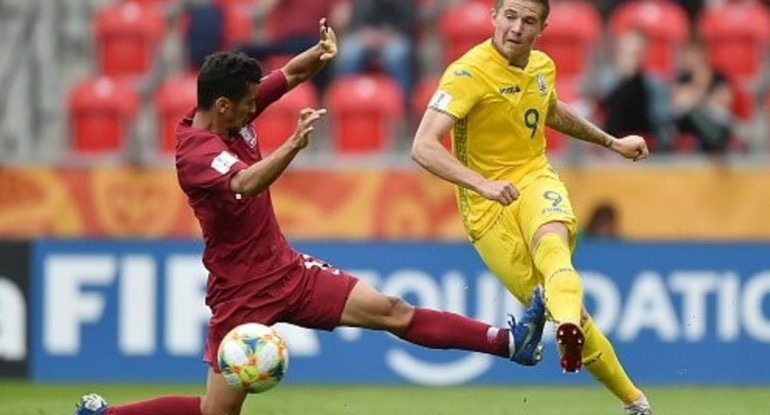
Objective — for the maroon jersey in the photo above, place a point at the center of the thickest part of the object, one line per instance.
(243, 241)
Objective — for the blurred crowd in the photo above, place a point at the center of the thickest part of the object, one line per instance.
(690, 75)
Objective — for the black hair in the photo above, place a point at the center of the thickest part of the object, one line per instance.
(545, 3)
(228, 75)
(603, 213)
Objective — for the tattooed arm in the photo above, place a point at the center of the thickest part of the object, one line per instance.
(564, 119)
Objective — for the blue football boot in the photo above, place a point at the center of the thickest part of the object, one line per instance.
(91, 404)
(527, 333)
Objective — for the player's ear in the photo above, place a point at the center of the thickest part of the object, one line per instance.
(222, 104)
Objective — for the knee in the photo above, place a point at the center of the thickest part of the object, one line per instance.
(557, 228)
(396, 314)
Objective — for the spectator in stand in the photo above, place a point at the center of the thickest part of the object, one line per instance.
(380, 31)
(702, 101)
(692, 7)
(635, 101)
(603, 223)
(295, 29)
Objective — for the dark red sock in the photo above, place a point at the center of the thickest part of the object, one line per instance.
(165, 405)
(443, 330)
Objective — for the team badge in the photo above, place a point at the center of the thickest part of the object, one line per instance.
(249, 136)
(541, 85)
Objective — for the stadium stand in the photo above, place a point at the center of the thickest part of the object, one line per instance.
(127, 35)
(461, 26)
(664, 22)
(737, 38)
(423, 92)
(175, 97)
(101, 112)
(279, 120)
(573, 34)
(238, 25)
(364, 110)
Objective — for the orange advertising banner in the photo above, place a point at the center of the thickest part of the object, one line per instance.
(652, 203)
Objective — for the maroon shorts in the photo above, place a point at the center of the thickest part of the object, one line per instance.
(312, 295)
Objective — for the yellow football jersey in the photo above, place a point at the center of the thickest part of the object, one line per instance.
(499, 113)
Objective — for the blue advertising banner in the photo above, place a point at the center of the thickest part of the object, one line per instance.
(134, 311)
(14, 281)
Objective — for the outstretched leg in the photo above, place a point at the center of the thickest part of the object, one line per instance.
(600, 359)
(563, 290)
(581, 341)
(366, 307)
(93, 404)
(220, 399)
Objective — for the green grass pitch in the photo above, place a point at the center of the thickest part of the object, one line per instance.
(22, 398)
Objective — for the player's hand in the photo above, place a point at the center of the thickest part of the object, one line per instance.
(501, 191)
(307, 117)
(631, 147)
(327, 42)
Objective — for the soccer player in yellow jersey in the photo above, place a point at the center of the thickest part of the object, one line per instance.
(497, 100)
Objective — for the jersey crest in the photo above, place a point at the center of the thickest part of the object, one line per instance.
(541, 85)
(249, 136)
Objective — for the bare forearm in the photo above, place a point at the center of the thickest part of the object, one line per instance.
(260, 175)
(437, 160)
(303, 66)
(564, 119)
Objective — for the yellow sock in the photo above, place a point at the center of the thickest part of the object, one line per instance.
(563, 289)
(600, 359)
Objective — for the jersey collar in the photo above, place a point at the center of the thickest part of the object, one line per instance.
(501, 60)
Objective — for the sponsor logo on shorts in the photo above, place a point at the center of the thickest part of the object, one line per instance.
(557, 209)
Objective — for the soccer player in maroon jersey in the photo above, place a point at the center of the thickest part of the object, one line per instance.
(255, 275)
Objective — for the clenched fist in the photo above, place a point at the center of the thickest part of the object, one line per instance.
(501, 191)
(631, 147)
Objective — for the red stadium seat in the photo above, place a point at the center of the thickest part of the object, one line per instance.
(462, 26)
(127, 37)
(572, 35)
(487, 3)
(239, 25)
(279, 120)
(237, 1)
(423, 92)
(737, 36)
(101, 111)
(272, 63)
(364, 109)
(161, 3)
(175, 97)
(664, 22)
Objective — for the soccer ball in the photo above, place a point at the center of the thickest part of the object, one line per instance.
(253, 358)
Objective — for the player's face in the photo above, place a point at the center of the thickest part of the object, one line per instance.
(241, 111)
(517, 24)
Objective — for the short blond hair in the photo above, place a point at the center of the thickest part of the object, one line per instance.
(545, 3)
